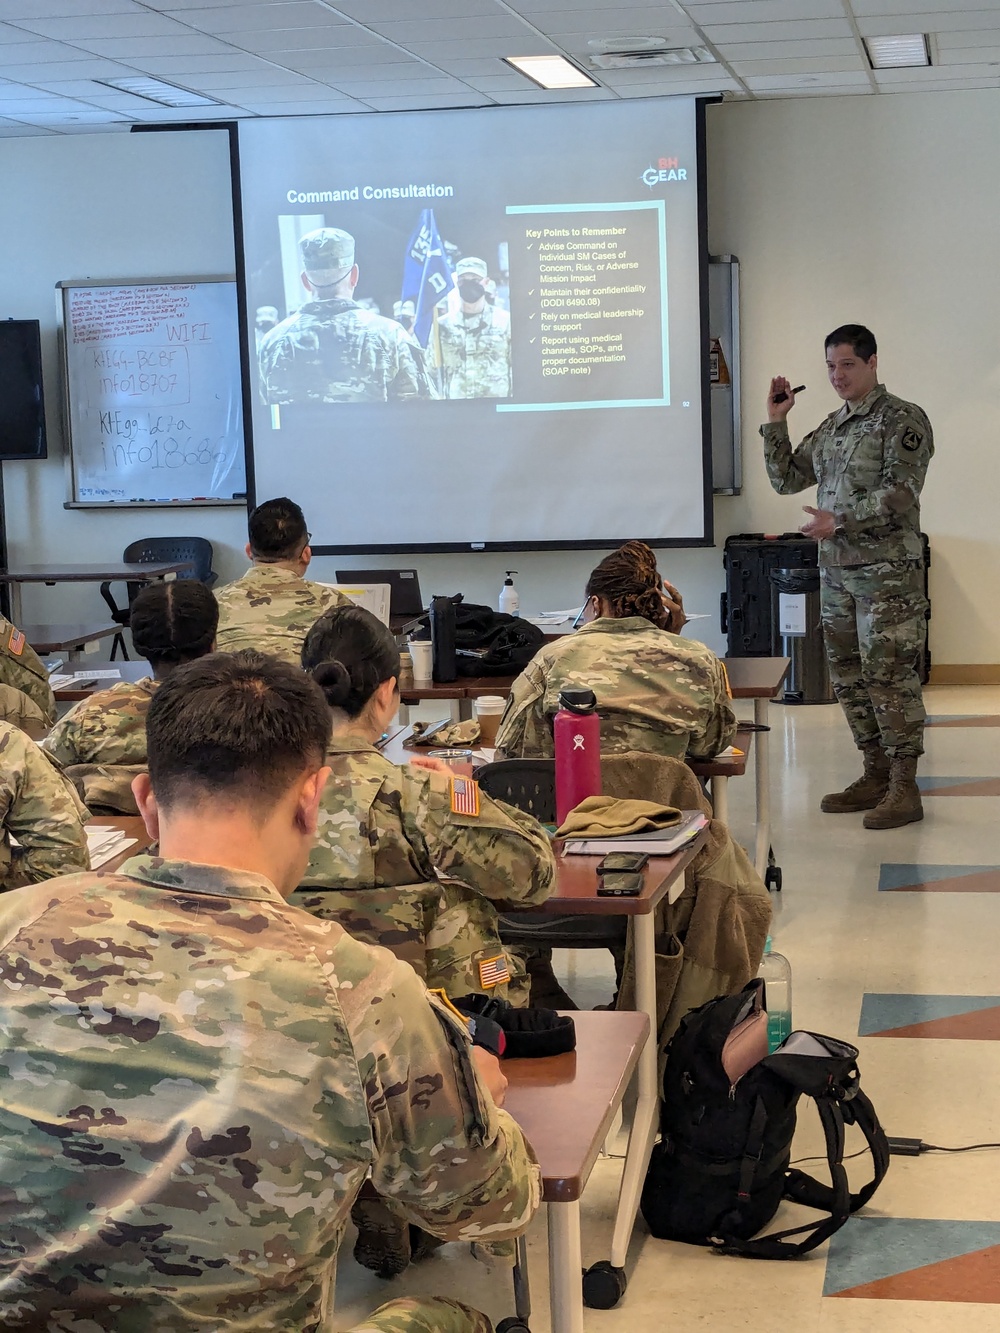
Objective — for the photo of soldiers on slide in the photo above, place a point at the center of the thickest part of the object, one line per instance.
(405, 315)
(475, 338)
(332, 349)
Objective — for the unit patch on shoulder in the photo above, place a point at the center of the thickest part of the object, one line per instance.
(464, 796)
(16, 642)
(493, 972)
(912, 440)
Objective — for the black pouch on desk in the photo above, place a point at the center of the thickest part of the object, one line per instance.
(529, 1032)
(722, 1166)
(443, 639)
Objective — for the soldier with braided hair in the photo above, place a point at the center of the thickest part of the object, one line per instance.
(656, 692)
(101, 742)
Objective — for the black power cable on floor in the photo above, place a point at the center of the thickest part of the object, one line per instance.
(906, 1148)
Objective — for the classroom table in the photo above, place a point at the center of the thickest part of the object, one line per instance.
(109, 572)
(70, 639)
(131, 671)
(133, 827)
(566, 1105)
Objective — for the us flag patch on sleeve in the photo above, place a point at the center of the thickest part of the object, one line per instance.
(464, 796)
(16, 642)
(493, 972)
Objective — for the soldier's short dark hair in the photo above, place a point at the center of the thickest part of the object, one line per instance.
(237, 726)
(174, 622)
(861, 340)
(350, 653)
(277, 530)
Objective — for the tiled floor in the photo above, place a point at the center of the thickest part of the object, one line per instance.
(926, 1253)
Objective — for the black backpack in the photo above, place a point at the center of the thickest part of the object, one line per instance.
(722, 1166)
(491, 643)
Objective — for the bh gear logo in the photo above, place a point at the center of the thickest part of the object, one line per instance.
(666, 169)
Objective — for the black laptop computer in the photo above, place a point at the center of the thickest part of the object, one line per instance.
(404, 587)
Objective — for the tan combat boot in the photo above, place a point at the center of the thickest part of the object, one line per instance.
(866, 792)
(901, 803)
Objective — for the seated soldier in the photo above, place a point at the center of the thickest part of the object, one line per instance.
(23, 669)
(101, 742)
(397, 863)
(655, 691)
(222, 1071)
(22, 712)
(273, 606)
(401, 858)
(40, 809)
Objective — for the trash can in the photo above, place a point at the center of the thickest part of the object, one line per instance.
(798, 634)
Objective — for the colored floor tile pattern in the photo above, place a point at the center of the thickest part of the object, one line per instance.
(915, 1259)
(898, 877)
(948, 786)
(939, 1017)
(965, 720)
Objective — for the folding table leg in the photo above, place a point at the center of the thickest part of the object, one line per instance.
(720, 797)
(762, 777)
(640, 1143)
(565, 1266)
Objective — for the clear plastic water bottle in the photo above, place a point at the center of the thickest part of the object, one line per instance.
(776, 974)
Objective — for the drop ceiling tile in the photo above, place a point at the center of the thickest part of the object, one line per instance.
(889, 8)
(824, 46)
(932, 76)
(946, 86)
(971, 20)
(87, 116)
(104, 25)
(764, 11)
(724, 84)
(79, 69)
(261, 78)
(580, 42)
(491, 83)
(254, 93)
(427, 103)
(261, 18)
(402, 88)
(804, 29)
(10, 36)
(123, 48)
(12, 129)
(35, 51)
(959, 57)
(771, 82)
(341, 36)
(385, 74)
(347, 57)
(336, 107)
(534, 7)
(43, 9)
(174, 66)
(383, 11)
(947, 40)
(801, 65)
(778, 94)
(457, 29)
(179, 5)
(528, 45)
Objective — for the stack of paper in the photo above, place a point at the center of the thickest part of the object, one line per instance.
(105, 842)
(657, 842)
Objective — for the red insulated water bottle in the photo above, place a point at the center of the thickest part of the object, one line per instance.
(577, 730)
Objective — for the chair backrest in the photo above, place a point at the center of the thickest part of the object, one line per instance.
(638, 775)
(198, 549)
(528, 784)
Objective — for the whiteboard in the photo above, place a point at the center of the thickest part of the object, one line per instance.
(154, 398)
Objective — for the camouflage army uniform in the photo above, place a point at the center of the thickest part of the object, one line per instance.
(385, 835)
(22, 668)
(656, 692)
(38, 807)
(101, 744)
(475, 353)
(195, 1080)
(272, 610)
(415, 1315)
(869, 463)
(337, 352)
(20, 711)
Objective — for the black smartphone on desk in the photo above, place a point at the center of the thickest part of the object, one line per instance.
(632, 861)
(620, 884)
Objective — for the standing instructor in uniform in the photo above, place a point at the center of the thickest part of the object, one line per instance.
(868, 460)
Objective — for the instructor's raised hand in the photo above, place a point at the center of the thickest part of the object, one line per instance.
(778, 411)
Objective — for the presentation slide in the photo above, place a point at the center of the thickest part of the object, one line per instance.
(479, 328)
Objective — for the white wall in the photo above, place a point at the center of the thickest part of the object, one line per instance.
(873, 209)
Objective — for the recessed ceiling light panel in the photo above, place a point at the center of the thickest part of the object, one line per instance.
(898, 52)
(551, 71)
(155, 90)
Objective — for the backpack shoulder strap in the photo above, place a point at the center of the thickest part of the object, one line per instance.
(835, 1199)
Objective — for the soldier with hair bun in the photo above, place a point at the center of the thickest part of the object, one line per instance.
(101, 742)
(656, 692)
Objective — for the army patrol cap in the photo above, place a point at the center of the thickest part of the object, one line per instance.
(403, 308)
(471, 265)
(327, 255)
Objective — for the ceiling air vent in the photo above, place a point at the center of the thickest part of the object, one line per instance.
(677, 55)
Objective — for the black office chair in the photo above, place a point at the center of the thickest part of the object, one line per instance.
(147, 550)
(530, 785)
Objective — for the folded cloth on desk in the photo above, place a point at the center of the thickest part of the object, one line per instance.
(609, 817)
(443, 736)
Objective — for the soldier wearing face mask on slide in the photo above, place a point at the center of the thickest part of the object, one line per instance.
(475, 342)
